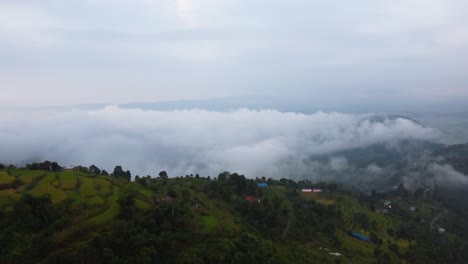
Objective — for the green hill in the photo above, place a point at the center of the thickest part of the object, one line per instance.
(76, 217)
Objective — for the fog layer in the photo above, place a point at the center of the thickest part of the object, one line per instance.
(256, 143)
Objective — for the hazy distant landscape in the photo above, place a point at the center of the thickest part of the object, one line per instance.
(182, 131)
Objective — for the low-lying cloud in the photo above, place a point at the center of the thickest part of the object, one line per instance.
(257, 143)
(447, 175)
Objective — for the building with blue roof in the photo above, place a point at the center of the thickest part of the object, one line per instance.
(262, 185)
(362, 237)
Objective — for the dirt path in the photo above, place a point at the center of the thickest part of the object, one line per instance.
(286, 230)
(434, 220)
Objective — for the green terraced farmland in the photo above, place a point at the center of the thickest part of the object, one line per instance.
(56, 195)
(27, 176)
(88, 186)
(85, 211)
(6, 179)
(67, 179)
(95, 201)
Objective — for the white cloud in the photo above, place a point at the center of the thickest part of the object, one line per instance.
(185, 13)
(374, 169)
(257, 143)
(447, 175)
(27, 26)
(378, 51)
(338, 163)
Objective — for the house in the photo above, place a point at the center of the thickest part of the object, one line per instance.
(441, 230)
(250, 198)
(336, 254)
(362, 237)
(387, 204)
(262, 185)
(315, 190)
(307, 190)
(412, 208)
(381, 211)
(69, 168)
(167, 199)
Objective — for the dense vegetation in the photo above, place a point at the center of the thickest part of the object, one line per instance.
(85, 215)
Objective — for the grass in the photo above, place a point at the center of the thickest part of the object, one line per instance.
(27, 176)
(95, 201)
(140, 204)
(76, 198)
(68, 180)
(48, 179)
(56, 195)
(5, 178)
(325, 201)
(88, 187)
(351, 243)
(208, 223)
(9, 193)
(8, 197)
(103, 186)
(110, 213)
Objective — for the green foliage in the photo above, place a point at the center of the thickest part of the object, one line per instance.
(94, 170)
(120, 173)
(6, 179)
(202, 220)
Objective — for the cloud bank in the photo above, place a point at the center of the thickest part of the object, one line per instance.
(257, 143)
(447, 175)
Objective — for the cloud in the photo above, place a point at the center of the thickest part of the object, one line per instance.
(338, 163)
(447, 175)
(374, 169)
(257, 143)
(386, 53)
(185, 13)
(27, 26)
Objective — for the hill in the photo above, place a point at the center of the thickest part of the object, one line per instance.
(77, 217)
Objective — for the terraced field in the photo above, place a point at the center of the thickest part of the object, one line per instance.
(94, 197)
(5, 178)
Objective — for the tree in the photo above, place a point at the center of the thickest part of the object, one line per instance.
(163, 174)
(2, 166)
(94, 170)
(120, 173)
(128, 175)
(104, 173)
(127, 204)
(224, 176)
(393, 247)
(332, 187)
(55, 167)
(362, 219)
(171, 193)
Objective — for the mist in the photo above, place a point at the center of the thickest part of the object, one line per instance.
(447, 175)
(253, 142)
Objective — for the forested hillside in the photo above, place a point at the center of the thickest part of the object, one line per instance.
(85, 215)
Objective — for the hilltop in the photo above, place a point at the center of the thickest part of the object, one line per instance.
(83, 216)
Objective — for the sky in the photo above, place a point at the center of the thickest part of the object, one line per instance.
(375, 52)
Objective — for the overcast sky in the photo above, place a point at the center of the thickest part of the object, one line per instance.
(114, 51)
